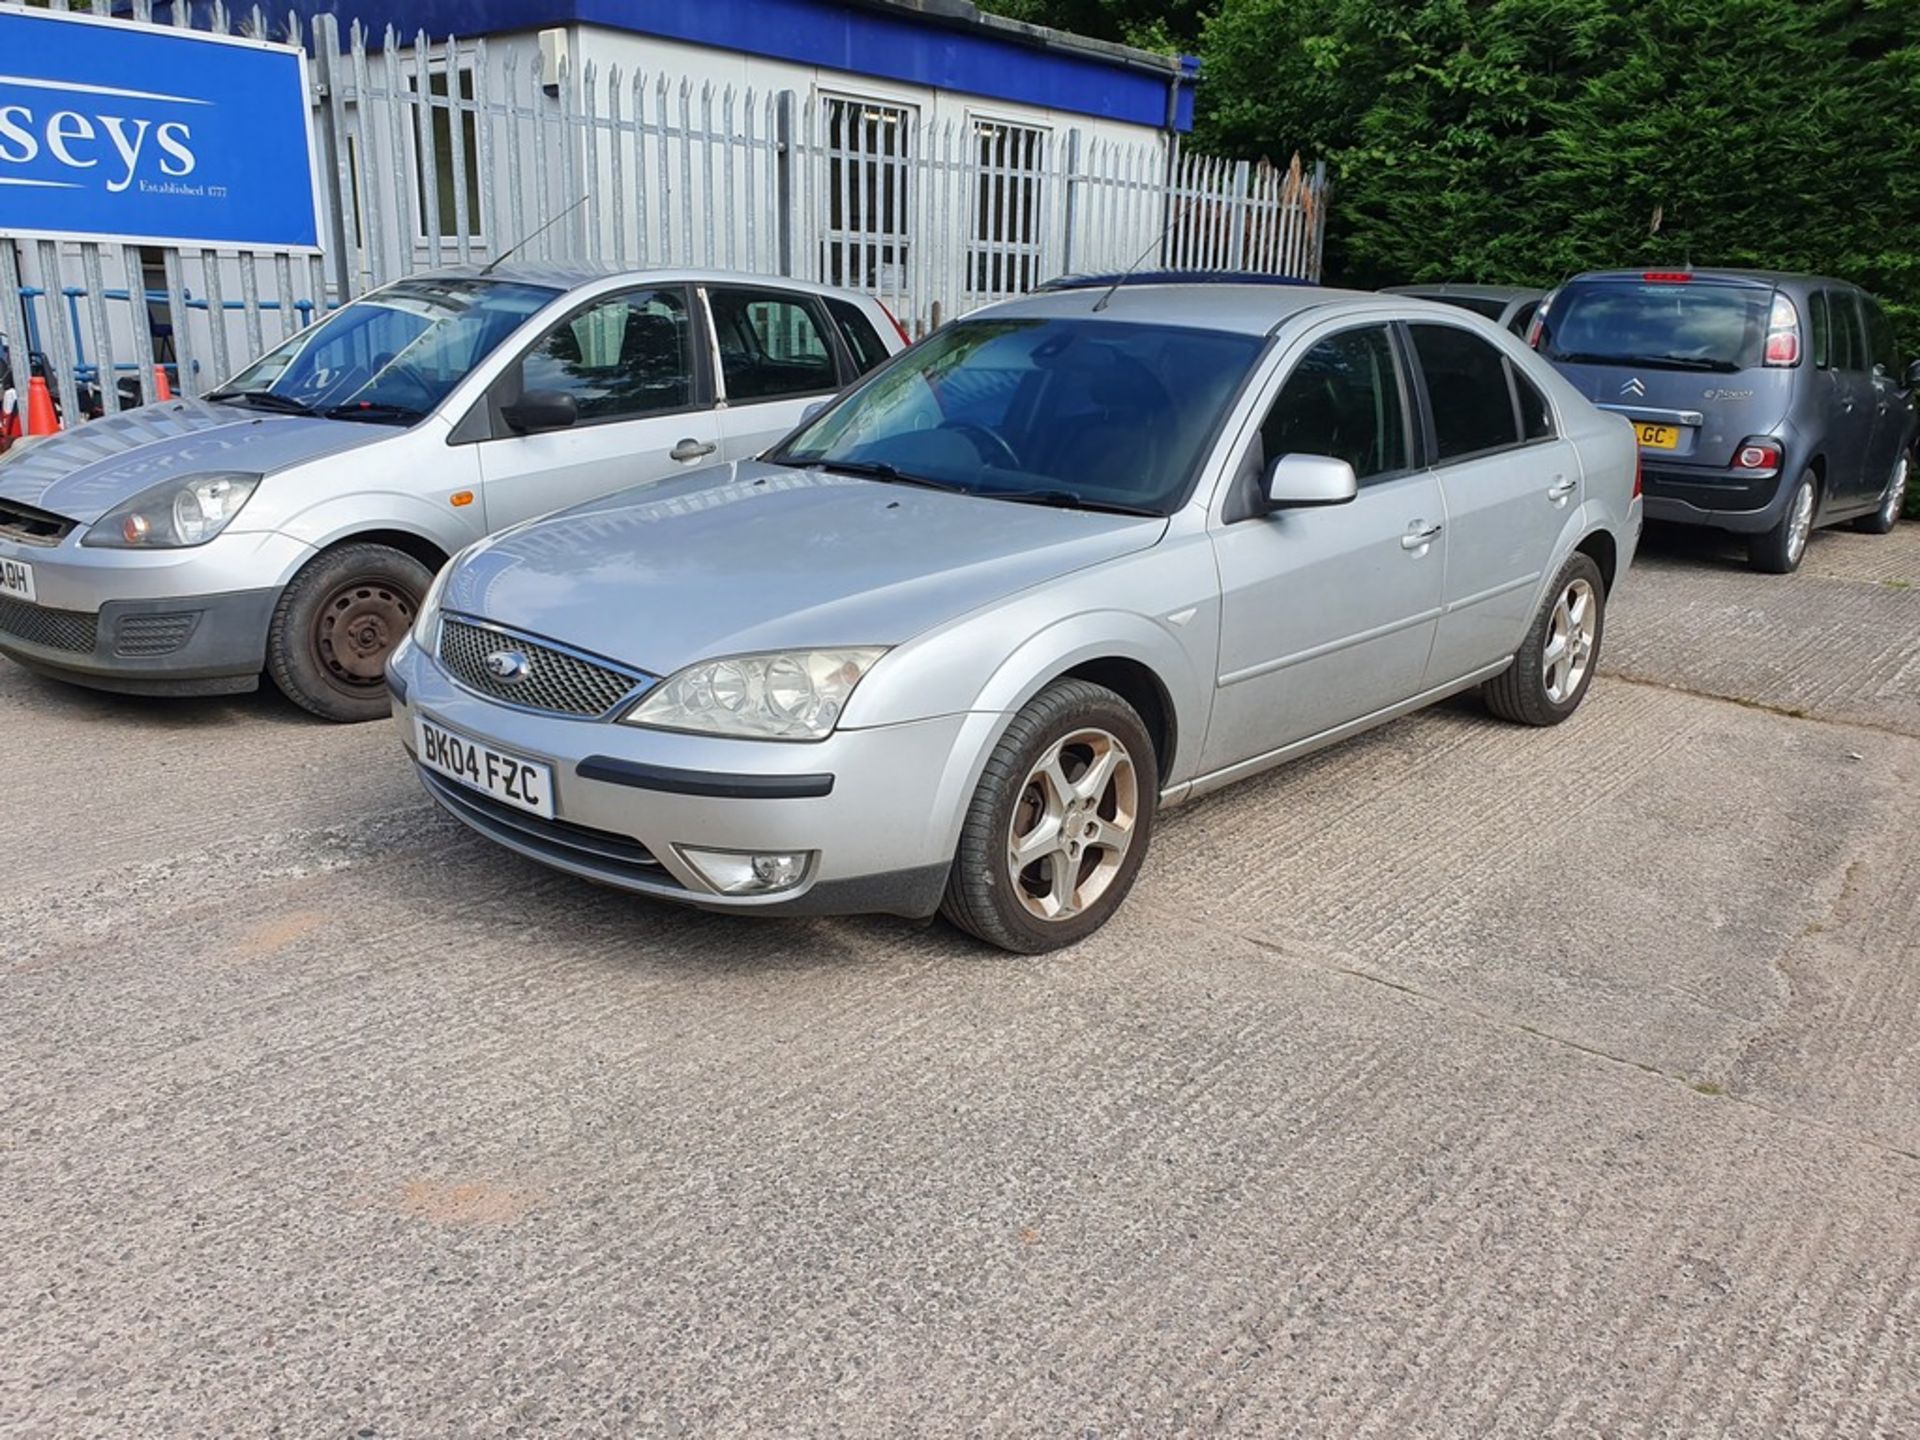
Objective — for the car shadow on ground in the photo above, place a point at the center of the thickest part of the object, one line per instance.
(1693, 545)
(166, 712)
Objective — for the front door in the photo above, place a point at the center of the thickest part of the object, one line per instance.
(1892, 403)
(1327, 613)
(1510, 485)
(627, 360)
(776, 363)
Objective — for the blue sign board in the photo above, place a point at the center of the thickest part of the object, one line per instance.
(139, 133)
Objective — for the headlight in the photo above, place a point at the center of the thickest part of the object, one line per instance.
(429, 610)
(786, 695)
(174, 514)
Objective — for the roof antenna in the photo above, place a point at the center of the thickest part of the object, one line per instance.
(1127, 274)
(487, 269)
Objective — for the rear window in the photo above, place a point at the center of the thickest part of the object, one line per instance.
(863, 341)
(1687, 326)
(1479, 305)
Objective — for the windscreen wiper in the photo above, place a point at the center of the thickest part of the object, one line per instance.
(376, 410)
(1070, 500)
(264, 400)
(879, 470)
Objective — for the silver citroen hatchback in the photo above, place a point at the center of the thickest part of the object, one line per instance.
(954, 642)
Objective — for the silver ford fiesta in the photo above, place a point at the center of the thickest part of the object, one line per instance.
(952, 644)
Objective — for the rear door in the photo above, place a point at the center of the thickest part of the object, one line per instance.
(776, 357)
(1328, 613)
(1509, 483)
(629, 360)
(1851, 404)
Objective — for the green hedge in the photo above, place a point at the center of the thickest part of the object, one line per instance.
(1521, 140)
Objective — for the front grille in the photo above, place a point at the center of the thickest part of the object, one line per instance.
(556, 680)
(31, 526)
(153, 634)
(614, 856)
(56, 629)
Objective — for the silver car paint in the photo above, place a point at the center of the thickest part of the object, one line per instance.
(998, 627)
(325, 480)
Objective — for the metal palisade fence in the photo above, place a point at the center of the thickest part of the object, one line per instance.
(438, 153)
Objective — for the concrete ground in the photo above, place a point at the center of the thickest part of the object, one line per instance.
(1460, 1081)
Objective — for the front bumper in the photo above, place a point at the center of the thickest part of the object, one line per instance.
(179, 622)
(880, 808)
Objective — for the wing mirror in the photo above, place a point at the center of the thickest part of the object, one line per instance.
(540, 410)
(812, 410)
(1300, 480)
(1913, 376)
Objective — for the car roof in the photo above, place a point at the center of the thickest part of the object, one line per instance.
(1234, 306)
(1467, 291)
(571, 275)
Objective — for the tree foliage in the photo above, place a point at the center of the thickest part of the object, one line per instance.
(1522, 140)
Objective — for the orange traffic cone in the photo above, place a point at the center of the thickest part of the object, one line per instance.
(40, 416)
(161, 389)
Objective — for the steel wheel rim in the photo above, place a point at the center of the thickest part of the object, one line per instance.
(355, 629)
(1570, 638)
(1801, 526)
(1073, 822)
(1896, 492)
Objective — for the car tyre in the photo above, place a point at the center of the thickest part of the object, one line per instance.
(336, 623)
(1780, 550)
(1070, 789)
(1882, 521)
(1554, 666)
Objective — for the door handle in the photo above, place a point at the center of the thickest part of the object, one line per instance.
(691, 449)
(1419, 535)
(1562, 489)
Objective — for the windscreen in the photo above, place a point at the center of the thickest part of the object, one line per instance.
(1692, 325)
(394, 353)
(1101, 412)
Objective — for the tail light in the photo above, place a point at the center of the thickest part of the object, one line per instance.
(1783, 333)
(1636, 472)
(1537, 327)
(1758, 452)
(899, 329)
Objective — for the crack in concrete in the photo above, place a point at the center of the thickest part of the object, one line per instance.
(1787, 712)
(1304, 957)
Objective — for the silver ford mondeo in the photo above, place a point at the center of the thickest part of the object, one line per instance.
(952, 644)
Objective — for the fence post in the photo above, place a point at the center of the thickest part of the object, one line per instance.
(1238, 210)
(333, 150)
(783, 163)
(1070, 203)
(1319, 217)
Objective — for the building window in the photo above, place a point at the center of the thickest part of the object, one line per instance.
(869, 149)
(1003, 257)
(442, 178)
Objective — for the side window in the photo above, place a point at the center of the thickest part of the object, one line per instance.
(863, 341)
(1882, 347)
(1536, 416)
(1822, 329)
(1343, 400)
(1467, 384)
(625, 356)
(771, 345)
(1849, 335)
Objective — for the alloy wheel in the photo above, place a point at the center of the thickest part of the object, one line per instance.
(1801, 525)
(1896, 494)
(1072, 825)
(1570, 636)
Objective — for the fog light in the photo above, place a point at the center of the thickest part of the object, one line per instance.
(749, 872)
